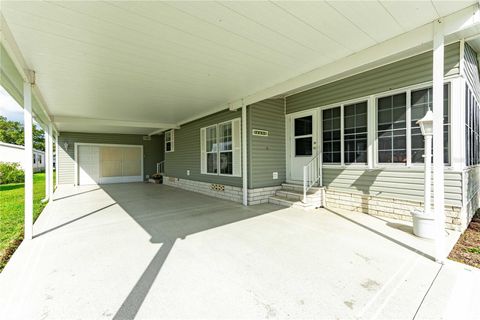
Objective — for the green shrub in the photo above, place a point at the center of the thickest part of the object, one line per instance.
(11, 172)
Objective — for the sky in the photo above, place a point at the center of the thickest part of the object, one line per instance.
(10, 108)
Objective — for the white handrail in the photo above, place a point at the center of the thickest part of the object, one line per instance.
(312, 172)
(161, 167)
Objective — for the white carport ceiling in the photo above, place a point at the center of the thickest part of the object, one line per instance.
(168, 61)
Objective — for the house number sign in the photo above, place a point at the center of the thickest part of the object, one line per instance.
(257, 132)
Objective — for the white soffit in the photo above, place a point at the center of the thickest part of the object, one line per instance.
(171, 61)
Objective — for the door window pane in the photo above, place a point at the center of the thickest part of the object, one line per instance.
(355, 132)
(303, 126)
(303, 146)
(391, 129)
(331, 135)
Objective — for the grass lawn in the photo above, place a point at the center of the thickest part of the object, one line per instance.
(12, 214)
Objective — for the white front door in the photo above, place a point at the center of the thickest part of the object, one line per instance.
(303, 142)
(88, 169)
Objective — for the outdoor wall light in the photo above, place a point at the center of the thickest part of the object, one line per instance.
(426, 124)
(65, 145)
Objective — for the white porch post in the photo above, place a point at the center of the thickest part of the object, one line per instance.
(28, 160)
(50, 161)
(56, 159)
(47, 165)
(244, 155)
(438, 166)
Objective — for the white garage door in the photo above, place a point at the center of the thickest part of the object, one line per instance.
(99, 164)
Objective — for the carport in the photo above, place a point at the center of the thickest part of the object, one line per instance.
(125, 250)
(79, 66)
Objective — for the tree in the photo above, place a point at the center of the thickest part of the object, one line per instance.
(12, 132)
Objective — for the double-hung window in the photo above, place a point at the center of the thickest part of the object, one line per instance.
(397, 119)
(355, 132)
(331, 134)
(169, 141)
(421, 102)
(392, 129)
(221, 149)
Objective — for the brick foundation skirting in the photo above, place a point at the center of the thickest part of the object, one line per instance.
(255, 196)
(387, 207)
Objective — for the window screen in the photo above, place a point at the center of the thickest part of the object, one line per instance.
(421, 102)
(331, 135)
(355, 133)
(472, 129)
(391, 129)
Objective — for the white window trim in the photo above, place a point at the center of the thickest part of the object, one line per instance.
(172, 141)
(217, 132)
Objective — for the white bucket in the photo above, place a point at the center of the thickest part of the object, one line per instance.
(423, 225)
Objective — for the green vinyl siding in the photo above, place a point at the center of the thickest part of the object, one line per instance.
(410, 71)
(398, 183)
(186, 154)
(471, 69)
(152, 151)
(266, 154)
(472, 182)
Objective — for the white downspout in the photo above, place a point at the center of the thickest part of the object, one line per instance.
(28, 161)
(244, 155)
(50, 161)
(438, 166)
(47, 165)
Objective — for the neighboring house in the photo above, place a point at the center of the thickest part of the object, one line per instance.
(14, 153)
(364, 127)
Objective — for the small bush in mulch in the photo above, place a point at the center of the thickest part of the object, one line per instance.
(467, 249)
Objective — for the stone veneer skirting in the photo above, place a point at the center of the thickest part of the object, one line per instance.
(387, 207)
(255, 196)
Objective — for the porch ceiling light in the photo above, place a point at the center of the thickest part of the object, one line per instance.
(426, 124)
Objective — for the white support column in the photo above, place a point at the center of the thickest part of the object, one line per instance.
(28, 159)
(371, 132)
(50, 161)
(438, 166)
(47, 165)
(244, 155)
(56, 159)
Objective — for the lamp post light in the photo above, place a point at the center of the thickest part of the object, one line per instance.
(426, 125)
(423, 222)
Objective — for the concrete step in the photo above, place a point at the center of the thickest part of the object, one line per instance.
(291, 203)
(298, 196)
(299, 188)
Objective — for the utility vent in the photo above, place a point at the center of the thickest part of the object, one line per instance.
(217, 187)
(147, 138)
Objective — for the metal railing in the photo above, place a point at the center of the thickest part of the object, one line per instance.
(161, 167)
(312, 173)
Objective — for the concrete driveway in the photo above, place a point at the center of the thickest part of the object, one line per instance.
(152, 251)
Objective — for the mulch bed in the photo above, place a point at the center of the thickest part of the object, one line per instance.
(467, 249)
